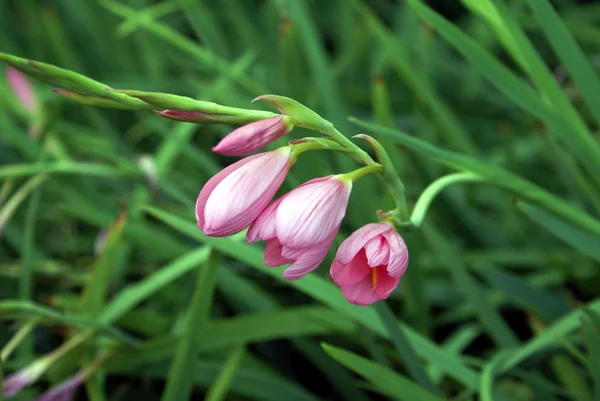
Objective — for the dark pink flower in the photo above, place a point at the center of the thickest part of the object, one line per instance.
(369, 264)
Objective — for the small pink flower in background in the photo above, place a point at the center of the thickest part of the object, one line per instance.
(300, 227)
(65, 390)
(369, 264)
(22, 89)
(254, 136)
(232, 199)
(15, 382)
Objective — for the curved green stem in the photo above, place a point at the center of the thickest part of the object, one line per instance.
(424, 201)
(361, 172)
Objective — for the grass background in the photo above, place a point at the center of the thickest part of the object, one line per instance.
(499, 302)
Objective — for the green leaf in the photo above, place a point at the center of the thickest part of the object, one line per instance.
(549, 337)
(591, 329)
(180, 381)
(571, 55)
(219, 389)
(582, 241)
(61, 167)
(388, 382)
(403, 347)
(95, 290)
(135, 293)
(26, 310)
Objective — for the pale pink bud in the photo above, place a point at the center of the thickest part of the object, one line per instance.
(254, 136)
(65, 390)
(231, 200)
(15, 382)
(369, 264)
(300, 227)
(22, 89)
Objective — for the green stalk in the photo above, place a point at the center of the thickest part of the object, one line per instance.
(427, 196)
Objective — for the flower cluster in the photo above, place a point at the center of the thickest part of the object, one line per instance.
(299, 227)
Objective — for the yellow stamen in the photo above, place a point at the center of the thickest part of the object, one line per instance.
(374, 277)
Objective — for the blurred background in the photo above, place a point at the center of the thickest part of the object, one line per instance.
(101, 260)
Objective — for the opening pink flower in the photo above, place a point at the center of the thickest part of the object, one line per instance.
(369, 264)
(232, 199)
(254, 136)
(300, 227)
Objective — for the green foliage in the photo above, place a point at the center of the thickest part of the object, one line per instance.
(99, 246)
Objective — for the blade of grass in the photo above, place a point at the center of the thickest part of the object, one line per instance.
(95, 291)
(132, 295)
(388, 382)
(592, 336)
(19, 197)
(180, 381)
(81, 168)
(587, 244)
(565, 46)
(219, 389)
(549, 337)
(403, 347)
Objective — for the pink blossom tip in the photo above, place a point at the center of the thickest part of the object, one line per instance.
(300, 226)
(254, 136)
(232, 199)
(369, 264)
(65, 390)
(22, 89)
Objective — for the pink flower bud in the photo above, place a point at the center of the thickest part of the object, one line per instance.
(22, 89)
(231, 200)
(254, 136)
(369, 264)
(15, 382)
(65, 390)
(300, 226)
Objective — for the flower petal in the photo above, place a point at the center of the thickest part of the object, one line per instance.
(355, 242)
(211, 184)
(351, 273)
(240, 196)
(306, 259)
(311, 213)
(398, 254)
(378, 251)
(362, 293)
(263, 228)
(273, 256)
(385, 283)
(252, 137)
